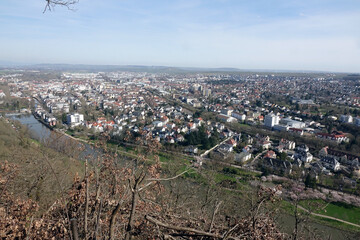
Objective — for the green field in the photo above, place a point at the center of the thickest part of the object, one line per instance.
(339, 210)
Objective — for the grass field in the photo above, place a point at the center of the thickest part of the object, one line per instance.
(339, 210)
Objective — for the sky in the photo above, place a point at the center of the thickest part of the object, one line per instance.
(314, 35)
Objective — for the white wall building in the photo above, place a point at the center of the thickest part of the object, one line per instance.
(271, 120)
(226, 111)
(357, 121)
(346, 118)
(238, 116)
(292, 123)
(75, 119)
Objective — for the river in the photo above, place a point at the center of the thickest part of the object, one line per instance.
(55, 140)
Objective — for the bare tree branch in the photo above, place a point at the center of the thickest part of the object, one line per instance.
(154, 180)
(74, 228)
(98, 220)
(113, 215)
(135, 196)
(50, 4)
(214, 213)
(86, 200)
(186, 229)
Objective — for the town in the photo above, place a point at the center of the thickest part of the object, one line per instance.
(303, 126)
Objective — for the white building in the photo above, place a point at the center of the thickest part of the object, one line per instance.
(292, 123)
(242, 157)
(346, 118)
(357, 121)
(206, 92)
(75, 119)
(226, 111)
(225, 118)
(238, 116)
(271, 120)
(2, 94)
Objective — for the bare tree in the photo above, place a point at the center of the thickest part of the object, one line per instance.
(50, 4)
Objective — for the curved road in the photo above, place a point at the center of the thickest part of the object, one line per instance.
(329, 217)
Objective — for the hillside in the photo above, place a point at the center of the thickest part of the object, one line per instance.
(40, 171)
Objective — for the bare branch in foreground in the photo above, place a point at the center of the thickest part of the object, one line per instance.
(50, 4)
(186, 229)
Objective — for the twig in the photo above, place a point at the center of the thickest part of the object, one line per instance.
(98, 220)
(226, 235)
(213, 216)
(50, 4)
(186, 229)
(28, 230)
(153, 180)
(114, 213)
(135, 196)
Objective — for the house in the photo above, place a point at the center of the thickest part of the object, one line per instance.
(317, 167)
(197, 162)
(346, 118)
(2, 94)
(302, 148)
(165, 120)
(179, 138)
(169, 139)
(330, 163)
(302, 153)
(198, 121)
(196, 104)
(270, 154)
(225, 118)
(264, 144)
(97, 127)
(231, 142)
(238, 116)
(225, 148)
(226, 111)
(158, 124)
(279, 165)
(343, 157)
(243, 157)
(303, 156)
(191, 150)
(286, 144)
(334, 136)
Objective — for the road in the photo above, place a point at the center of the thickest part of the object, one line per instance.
(251, 163)
(208, 151)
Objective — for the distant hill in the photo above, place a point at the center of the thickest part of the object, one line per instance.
(132, 68)
(143, 68)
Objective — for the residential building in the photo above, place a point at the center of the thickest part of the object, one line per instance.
(75, 119)
(346, 118)
(271, 120)
(238, 116)
(330, 163)
(242, 157)
(357, 121)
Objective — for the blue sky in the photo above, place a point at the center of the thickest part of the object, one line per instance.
(246, 34)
